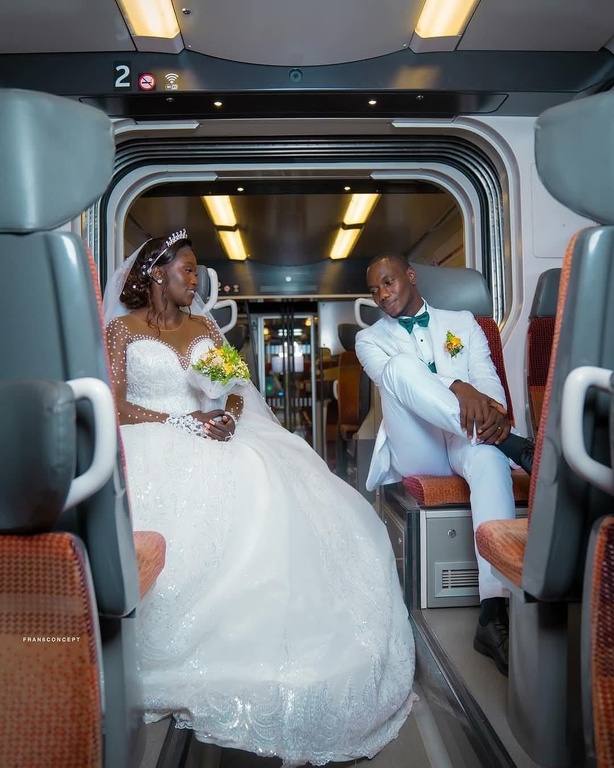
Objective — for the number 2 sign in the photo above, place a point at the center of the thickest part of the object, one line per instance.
(123, 76)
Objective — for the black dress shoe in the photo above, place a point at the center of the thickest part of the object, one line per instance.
(526, 456)
(492, 640)
(520, 450)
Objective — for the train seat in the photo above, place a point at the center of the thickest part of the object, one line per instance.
(541, 559)
(348, 383)
(347, 390)
(56, 157)
(49, 633)
(539, 341)
(598, 646)
(597, 630)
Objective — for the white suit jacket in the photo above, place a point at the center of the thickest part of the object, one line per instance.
(385, 338)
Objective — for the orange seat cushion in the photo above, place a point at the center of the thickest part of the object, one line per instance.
(601, 647)
(49, 664)
(502, 544)
(150, 549)
(435, 491)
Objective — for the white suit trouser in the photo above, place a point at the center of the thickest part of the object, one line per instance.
(422, 419)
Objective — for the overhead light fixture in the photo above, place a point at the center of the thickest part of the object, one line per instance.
(441, 25)
(220, 210)
(359, 208)
(233, 244)
(345, 242)
(444, 18)
(151, 18)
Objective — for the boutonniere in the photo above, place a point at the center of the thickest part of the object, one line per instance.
(453, 344)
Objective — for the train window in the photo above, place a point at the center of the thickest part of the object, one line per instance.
(437, 200)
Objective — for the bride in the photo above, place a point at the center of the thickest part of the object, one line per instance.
(277, 625)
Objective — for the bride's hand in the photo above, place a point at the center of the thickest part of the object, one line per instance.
(216, 424)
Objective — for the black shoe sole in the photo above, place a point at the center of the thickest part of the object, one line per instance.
(485, 650)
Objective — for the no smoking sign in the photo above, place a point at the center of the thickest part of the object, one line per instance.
(147, 82)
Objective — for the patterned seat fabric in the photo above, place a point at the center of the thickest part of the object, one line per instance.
(49, 662)
(150, 556)
(434, 491)
(598, 644)
(539, 347)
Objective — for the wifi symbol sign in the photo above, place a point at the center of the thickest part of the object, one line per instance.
(171, 81)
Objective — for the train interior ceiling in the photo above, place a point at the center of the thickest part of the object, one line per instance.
(295, 145)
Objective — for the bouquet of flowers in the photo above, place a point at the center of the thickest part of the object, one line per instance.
(218, 371)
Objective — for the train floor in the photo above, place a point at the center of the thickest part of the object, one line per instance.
(454, 629)
(459, 720)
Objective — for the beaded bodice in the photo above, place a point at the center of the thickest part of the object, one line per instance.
(156, 375)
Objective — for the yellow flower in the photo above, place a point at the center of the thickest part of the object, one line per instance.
(222, 364)
(453, 344)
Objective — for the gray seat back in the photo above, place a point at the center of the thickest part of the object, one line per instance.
(56, 158)
(572, 164)
(546, 294)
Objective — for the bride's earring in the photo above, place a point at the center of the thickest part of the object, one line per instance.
(159, 282)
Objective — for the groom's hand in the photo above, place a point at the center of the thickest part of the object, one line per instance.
(495, 429)
(476, 410)
(481, 413)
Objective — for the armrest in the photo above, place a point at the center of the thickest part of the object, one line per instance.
(150, 547)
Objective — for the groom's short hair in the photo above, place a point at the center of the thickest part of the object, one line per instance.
(391, 257)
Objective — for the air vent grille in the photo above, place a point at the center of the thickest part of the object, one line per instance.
(456, 579)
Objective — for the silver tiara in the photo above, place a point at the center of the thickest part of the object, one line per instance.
(180, 235)
(171, 240)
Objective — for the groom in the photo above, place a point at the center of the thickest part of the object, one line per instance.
(444, 413)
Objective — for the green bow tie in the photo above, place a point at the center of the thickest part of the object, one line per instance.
(409, 322)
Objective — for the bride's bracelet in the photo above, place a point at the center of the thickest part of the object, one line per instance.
(187, 423)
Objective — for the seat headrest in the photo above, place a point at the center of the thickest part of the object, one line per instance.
(56, 159)
(237, 336)
(454, 288)
(347, 335)
(546, 294)
(574, 153)
(37, 453)
(204, 287)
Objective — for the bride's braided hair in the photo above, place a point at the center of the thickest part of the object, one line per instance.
(158, 251)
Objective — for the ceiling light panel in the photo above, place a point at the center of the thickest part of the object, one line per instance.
(220, 210)
(151, 18)
(360, 208)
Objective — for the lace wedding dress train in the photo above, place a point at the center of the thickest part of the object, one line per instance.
(277, 625)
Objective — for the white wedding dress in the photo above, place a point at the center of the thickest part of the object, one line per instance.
(277, 625)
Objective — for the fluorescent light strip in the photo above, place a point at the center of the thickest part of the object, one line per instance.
(444, 18)
(233, 244)
(151, 18)
(359, 208)
(344, 242)
(220, 210)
